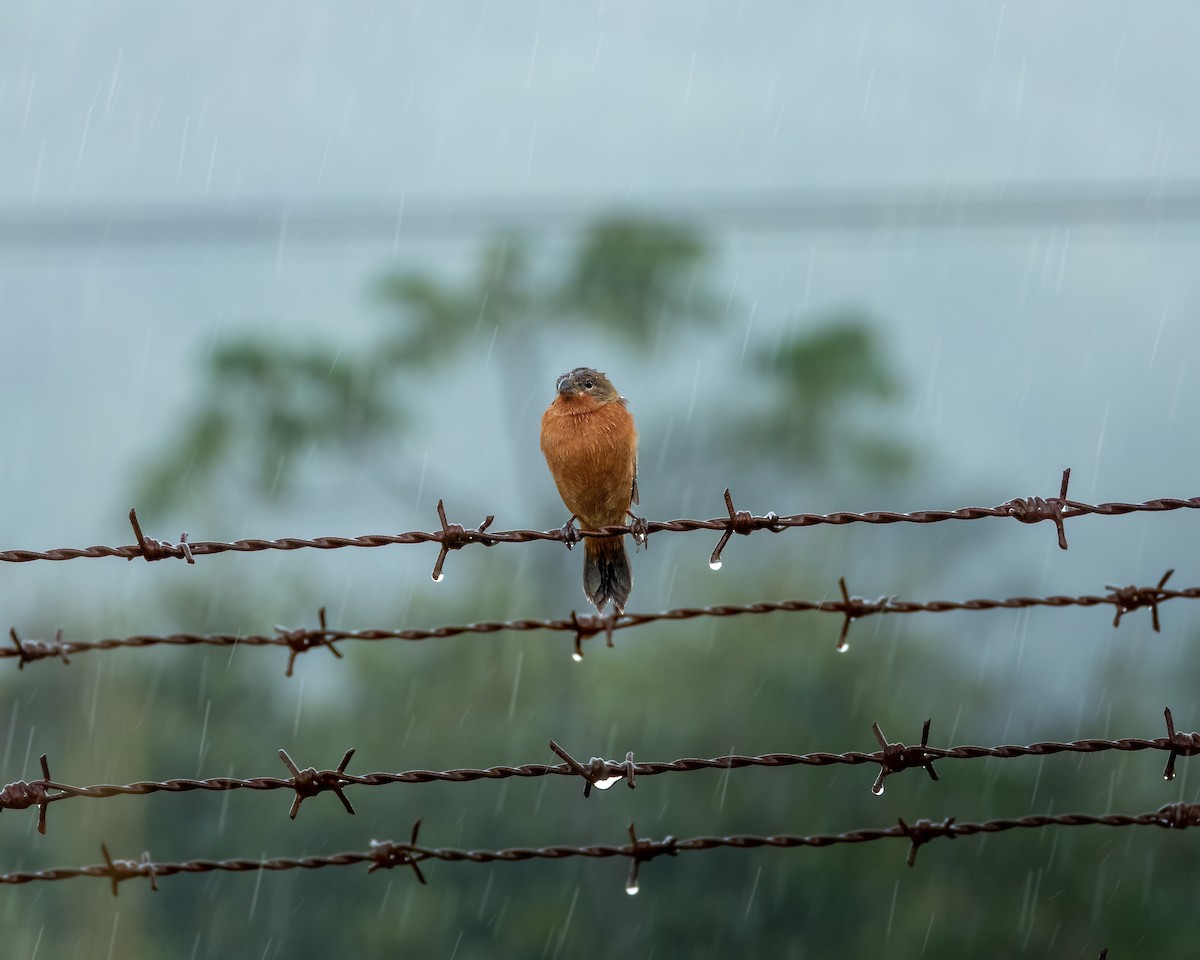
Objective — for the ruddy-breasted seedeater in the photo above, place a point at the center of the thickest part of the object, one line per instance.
(590, 445)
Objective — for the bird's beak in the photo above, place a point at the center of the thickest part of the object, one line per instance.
(565, 386)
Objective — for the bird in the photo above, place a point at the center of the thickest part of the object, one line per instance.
(590, 445)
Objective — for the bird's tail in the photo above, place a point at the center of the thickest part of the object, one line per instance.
(606, 572)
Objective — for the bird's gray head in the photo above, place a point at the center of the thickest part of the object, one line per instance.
(584, 381)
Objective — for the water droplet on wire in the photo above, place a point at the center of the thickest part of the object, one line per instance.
(714, 565)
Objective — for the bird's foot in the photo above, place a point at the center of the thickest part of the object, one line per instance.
(570, 533)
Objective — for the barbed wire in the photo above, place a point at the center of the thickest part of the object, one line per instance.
(453, 536)
(389, 854)
(892, 758)
(300, 640)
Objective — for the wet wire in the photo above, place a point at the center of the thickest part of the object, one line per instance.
(300, 640)
(453, 536)
(389, 854)
(891, 757)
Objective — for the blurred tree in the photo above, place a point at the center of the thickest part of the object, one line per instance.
(433, 318)
(625, 277)
(263, 405)
(266, 404)
(632, 276)
(822, 381)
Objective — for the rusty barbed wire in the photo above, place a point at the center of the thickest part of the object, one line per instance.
(892, 758)
(300, 640)
(453, 536)
(389, 854)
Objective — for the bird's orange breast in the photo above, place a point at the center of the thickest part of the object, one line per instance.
(591, 450)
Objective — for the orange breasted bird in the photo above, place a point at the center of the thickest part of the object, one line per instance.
(590, 445)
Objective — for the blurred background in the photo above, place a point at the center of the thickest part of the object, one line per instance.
(301, 270)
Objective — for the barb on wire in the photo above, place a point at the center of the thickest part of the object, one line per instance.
(310, 781)
(120, 870)
(742, 522)
(21, 794)
(895, 757)
(452, 536)
(1180, 744)
(853, 608)
(1037, 509)
(30, 650)
(597, 772)
(150, 549)
(301, 641)
(642, 851)
(585, 626)
(387, 854)
(1128, 599)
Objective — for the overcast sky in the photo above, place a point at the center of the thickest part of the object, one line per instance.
(1027, 349)
(138, 101)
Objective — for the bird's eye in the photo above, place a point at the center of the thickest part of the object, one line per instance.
(587, 384)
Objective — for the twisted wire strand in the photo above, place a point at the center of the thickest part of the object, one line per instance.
(611, 768)
(891, 758)
(301, 640)
(388, 854)
(453, 536)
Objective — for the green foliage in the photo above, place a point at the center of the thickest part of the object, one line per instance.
(700, 688)
(837, 360)
(731, 686)
(625, 277)
(431, 318)
(263, 405)
(632, 276)
(821, 382)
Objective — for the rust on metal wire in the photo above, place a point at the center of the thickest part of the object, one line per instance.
(453, 536)
(310, 782)
(29, 650)
(1130, 598)
(21, 794)
(301, 640)
(150, 549)
(388, 854)
(583, 626)
(892, 758)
